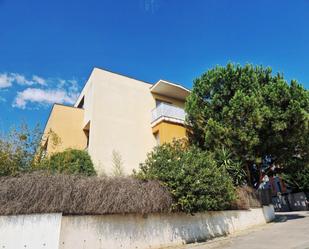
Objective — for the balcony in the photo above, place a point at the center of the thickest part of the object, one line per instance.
(168, 112)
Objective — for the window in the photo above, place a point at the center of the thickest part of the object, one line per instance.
(159, 101)
(81, 103)
(157, 137)
(87, 133)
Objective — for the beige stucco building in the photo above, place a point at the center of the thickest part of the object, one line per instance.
(116, 114)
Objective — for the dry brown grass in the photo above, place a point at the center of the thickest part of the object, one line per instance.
(246, 198)
(77, 195)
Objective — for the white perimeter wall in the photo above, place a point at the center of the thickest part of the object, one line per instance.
(123, 231)
(30, 231)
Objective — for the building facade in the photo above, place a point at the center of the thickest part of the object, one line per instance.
(118, 115)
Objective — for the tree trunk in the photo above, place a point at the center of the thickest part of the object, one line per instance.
(249, 175)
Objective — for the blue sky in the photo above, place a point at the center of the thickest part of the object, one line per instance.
(48, 48)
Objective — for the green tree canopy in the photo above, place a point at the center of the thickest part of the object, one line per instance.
(251, 112)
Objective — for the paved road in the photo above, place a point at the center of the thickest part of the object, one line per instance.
(289, 231)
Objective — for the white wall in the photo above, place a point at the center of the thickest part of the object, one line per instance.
(269, 213)
(30, 231)
(155, 230)
(53, 231)
(87, 94)
(120, 120)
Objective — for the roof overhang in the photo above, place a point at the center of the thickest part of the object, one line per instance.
(169, 89)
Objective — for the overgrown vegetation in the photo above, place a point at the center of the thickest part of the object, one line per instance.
(193, 177)
(21, 151)
(17, 150)
(254, 114)
(43, 192)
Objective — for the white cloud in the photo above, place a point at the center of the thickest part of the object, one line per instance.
(61, 83)
(8, 79)
(73, 85)
(151, 5)
(39, 80)
(43, 97)
(5, 80)
(20, 79)
(38, 91)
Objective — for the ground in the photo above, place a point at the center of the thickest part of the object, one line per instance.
(288, 231)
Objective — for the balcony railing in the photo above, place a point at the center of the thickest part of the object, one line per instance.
(168, 111)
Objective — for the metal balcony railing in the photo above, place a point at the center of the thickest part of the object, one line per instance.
(165, 110)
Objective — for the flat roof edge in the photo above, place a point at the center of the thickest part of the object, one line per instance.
(169, 83)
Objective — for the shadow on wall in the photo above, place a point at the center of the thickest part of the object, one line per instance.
(221, 223)
(136, 231)
(155, 230)
(195, 228)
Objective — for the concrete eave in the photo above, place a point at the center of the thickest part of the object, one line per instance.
(169, 89)
(168, 120)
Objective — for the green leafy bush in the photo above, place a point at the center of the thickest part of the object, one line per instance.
(70, 161)
(192, 176)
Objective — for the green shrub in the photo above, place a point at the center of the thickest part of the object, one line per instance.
(297, 176)
(70, 161)
(234, 168)
(192, 176)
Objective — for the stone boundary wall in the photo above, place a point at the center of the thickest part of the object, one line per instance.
(54, 231)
